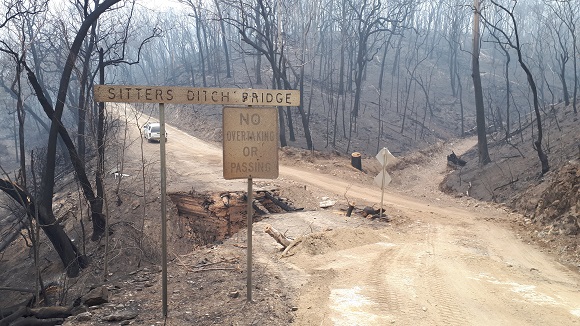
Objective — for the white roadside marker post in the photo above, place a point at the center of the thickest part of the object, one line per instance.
(383, 183)
(383, 178)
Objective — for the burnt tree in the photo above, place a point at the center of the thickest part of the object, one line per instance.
(478, 90)
(70, 256)
(515, 45)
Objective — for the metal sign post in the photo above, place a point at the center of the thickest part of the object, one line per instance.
(163, 208)
(249, 249)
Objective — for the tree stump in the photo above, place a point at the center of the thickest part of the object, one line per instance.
(356, 160)
(350, 209)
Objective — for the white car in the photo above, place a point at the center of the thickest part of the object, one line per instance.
(152, 131)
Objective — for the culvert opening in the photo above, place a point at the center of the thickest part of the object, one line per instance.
(208, 218)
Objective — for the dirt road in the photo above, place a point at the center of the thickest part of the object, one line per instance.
(451, 263)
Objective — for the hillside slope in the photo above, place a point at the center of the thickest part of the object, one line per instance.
(550, 202)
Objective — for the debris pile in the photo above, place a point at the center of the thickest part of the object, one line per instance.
(208, 218)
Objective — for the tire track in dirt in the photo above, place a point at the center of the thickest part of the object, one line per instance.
(431, 302)
(389, 289)
(446, 310)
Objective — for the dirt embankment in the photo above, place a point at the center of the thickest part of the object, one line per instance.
(549, 203)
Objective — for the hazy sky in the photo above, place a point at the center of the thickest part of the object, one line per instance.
(160, 5)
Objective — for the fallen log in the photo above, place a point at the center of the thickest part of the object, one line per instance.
(36, 316)
(33, 321)
(51, 312)
(20, 312)
(454, 159)
(259, 208)
(369, 211)
(7, 311)
(280, 203)
(279, 237)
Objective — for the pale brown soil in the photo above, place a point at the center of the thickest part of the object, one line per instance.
(437, 259)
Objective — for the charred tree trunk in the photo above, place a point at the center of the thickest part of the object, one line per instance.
(70, 256)
(96, 210)
(478, 90)
(83, 104)
(198, 31)
(358, 76)
(343, 40)
(258, 42)
(538, 142)
(223, 39)
(576, 81)
(21, 117)
(47, 182)
(460, 95)
(303, 115)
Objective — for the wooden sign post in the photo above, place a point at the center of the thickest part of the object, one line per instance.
(252, 146)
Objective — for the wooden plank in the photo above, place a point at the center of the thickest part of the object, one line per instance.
(191, 95)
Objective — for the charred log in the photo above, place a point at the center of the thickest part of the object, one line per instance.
(36, 316)
(452, 158)
(280, 203)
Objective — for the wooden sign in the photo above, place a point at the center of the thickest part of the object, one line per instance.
(250, 143)
(250, 139)
(190, 95)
